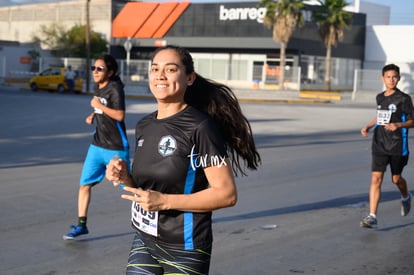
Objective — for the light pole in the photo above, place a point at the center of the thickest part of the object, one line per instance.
(88, 48)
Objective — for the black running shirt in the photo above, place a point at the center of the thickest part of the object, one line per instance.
(170, 156)
(110, 133)
(394, 143)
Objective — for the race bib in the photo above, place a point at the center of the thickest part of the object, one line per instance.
(383, 117)
(145, 221)
(104, 102)
(98, 111)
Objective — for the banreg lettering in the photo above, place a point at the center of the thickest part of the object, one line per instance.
(242, 14)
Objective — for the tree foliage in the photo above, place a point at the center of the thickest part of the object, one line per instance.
(70, 43)
(283, 16)
(332, 19)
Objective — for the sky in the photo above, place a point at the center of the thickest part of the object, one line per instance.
(402, 11)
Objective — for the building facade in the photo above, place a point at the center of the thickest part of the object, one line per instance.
(233, 33)
(228, 39)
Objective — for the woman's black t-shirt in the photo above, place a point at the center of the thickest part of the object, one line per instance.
(110, 133)
(170, 157)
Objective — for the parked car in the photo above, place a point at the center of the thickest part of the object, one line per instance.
(53, 79)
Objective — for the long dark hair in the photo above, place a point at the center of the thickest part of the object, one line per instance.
(112, 65)
(220, 103)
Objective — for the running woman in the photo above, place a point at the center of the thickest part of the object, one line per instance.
(109, 139)
(186, 154)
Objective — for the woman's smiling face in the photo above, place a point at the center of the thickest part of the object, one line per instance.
(168, 79)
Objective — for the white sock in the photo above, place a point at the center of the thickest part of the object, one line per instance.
(406, 198)
(373, 215)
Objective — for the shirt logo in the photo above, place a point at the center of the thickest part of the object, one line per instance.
(392, 108)
(205, 161)
(167, 145)
(140, 142)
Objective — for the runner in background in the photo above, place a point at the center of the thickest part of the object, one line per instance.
(389, 142)
(109, 139)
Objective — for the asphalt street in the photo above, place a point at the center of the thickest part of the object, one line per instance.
(298, 214)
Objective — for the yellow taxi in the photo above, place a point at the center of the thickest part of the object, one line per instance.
(53, 79)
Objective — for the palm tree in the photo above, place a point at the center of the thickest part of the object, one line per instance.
(332, 19)
(283, 16)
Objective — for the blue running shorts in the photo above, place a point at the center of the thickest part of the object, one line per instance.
(94, 166)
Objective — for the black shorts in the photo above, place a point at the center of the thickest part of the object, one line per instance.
(397, 163)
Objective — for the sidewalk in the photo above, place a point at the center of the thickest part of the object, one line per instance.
(257, 95)
(278, 96)
(252, 95)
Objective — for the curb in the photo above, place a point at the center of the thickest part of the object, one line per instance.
(292, 101)
(331, 95)
(253, 100)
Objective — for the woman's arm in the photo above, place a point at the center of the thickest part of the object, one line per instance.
(221, 193)
(118, 115)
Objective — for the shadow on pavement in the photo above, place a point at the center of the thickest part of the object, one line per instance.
(351, 201)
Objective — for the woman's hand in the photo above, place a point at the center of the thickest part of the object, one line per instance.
(117, 172)
(89, 119)
(148, 200)
(96, 103)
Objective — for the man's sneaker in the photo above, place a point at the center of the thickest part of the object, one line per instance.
(406, 206)
(76, 230)
(369, 222)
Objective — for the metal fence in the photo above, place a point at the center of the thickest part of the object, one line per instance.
(236, 74)
(240, 74)
(366, 83)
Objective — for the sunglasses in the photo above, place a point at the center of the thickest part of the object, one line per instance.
(98, 68)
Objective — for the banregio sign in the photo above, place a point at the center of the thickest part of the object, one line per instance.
(244, 19)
